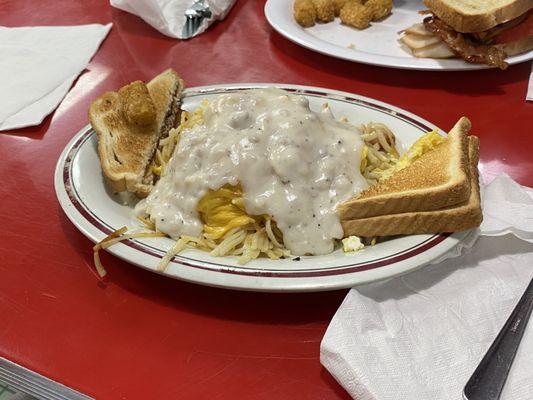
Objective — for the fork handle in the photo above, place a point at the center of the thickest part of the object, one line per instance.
(487, 381)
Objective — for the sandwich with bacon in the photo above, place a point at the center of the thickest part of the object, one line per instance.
(478, 31)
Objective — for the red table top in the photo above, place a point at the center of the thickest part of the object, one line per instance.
(141, 335)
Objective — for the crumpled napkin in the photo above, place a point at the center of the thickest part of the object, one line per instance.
(168, 16)
(37, 67)
(421, 336)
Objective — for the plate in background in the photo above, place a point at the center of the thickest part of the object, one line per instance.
(376, 45)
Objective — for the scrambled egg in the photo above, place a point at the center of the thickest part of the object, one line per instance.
(352, 244)
(424, 144)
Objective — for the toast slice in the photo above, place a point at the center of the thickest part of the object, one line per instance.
(477, 15)
(467, 215)
(128, 132)
(438, 179)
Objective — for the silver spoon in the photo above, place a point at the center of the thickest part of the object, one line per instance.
(487, 381)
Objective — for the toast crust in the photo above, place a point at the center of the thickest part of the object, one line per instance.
(477, 17)
(159, 91)
(467, 215)
(436, 180)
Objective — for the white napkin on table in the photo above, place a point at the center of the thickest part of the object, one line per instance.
(37, 67)
(420, 336)
(168, 16)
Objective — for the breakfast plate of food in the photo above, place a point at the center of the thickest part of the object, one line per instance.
(442, 35)
(267, 187)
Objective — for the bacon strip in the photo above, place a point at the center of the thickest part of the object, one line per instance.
(464, 47)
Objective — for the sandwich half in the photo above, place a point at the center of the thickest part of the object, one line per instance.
(479, 31)
(129, 125)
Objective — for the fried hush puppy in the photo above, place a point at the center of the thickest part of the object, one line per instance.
(325, 11)
(380, 8)
(137, 104)
(338, 4)
(356, 13)
(305, 13)
(359, 15)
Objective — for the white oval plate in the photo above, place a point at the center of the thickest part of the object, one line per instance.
(376, 45)
(96, 212)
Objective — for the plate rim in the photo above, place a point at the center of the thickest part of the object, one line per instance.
(253, 281)
(419, 64)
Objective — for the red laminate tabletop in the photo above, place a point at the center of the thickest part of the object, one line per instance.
(140, 335)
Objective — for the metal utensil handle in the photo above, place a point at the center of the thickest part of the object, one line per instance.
(487, 381)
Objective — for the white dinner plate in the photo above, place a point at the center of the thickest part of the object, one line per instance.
(96, 212)
(376, 45)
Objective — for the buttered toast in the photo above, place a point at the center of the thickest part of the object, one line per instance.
(460, 217)
(438, 179)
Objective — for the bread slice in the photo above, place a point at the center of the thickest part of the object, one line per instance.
(438, 179)
(467, 215)
(477, 15)
(126, 148)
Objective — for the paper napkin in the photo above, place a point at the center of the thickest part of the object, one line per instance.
(37, 67)
(421, 336)
(168, 16)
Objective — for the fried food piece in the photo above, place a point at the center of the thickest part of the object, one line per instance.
(305, 13)
(325, 11)
(380, 8)
(356, 14)
(338, 4)
(137, 104)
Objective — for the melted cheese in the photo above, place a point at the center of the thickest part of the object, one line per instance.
(293, 164)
